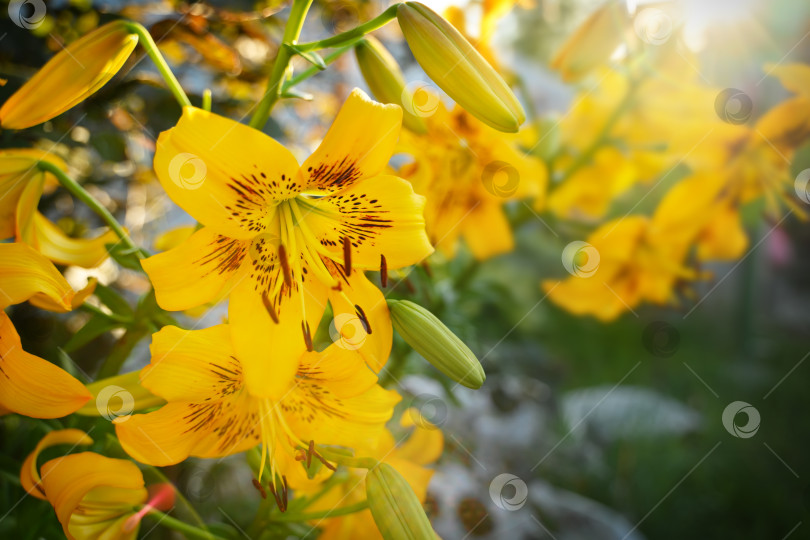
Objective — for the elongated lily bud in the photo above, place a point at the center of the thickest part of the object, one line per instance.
(438, 344)
(70, 77)
(385, 79)
(593, 43)
(396, 509)
(449, 59)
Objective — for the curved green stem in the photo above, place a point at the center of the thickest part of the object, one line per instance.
(112, 316)
(323, 514)
(298, 13)
(309, 72)
(146, 41)
(348, 461)
(189, 531)
(80, 193)
(354, 34)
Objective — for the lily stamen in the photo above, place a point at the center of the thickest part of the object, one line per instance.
(347, 255)
(307, 335)
(260, 487)
(383, 271)
(268, 305)
(363, 319)
(285, 265)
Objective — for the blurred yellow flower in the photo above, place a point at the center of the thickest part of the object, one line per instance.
(410, 458)
(30, 385)
(281, 239)
(467, 171)
(22, 184)
(70, 77)
(95, 497)
(212, 411)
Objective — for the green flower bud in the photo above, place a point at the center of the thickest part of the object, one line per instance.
(396, 510)
(458, 68)
(438, 344)
(385, 79)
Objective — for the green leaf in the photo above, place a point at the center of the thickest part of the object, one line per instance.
(97, 325)
(124, 256)
(294, 93)
(311, 57)
(121, 351)
(110, 298)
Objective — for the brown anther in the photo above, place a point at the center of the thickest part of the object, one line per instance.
(300, 454)
(383, 271)
(285, 265)
(338, 287)
(268, 305)
(363, 318)
(309, 452)
(347, 255)
(307, 335)
(259, 486)
(278, 497)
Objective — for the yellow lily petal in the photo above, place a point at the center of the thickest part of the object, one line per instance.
(794, 77)
(372, 342)
(340, 369)
(29, 474)
(382, 216)
(724, 238)
(357, 146)
(89, 483)
(52, 242)
(25, 272)
(32, 386)
(487, 231)
(425, 444)
(43, 301)
(17, 171)
(197, 271)
(225, 174)
(270, 350)
(70, 77)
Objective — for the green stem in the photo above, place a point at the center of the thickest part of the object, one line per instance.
(313, 70)
(189, 530)
(295, 22)
(112, 316)
(80, 193)
(146, 41)
(348, 461)
(323, 514)
(355, 33)
(157, 473)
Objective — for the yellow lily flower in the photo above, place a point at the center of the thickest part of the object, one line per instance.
(95, 497)
(22, 184)
(410, 458)
(212, 411)
(281, 239)
(30, 385)
(70, 77)
(467, 171)
(635, 262)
